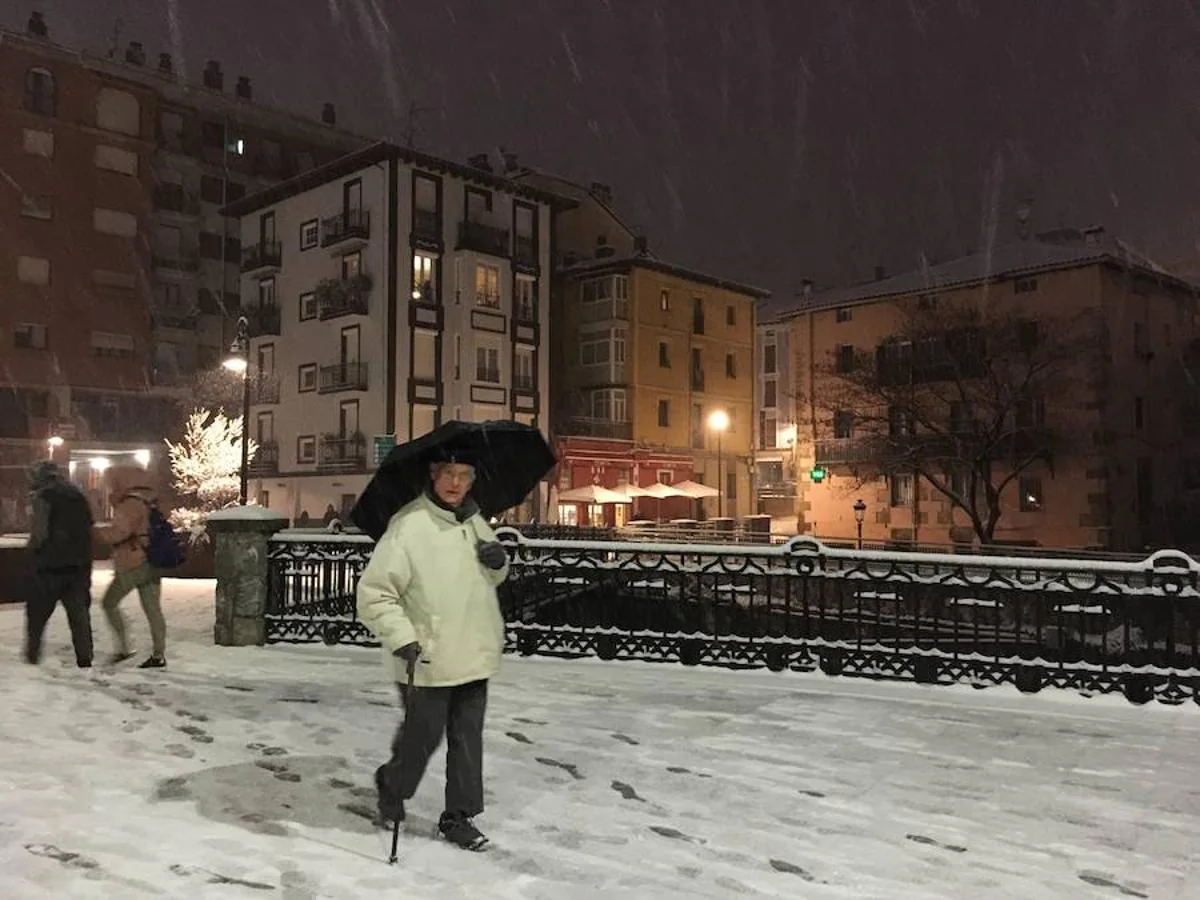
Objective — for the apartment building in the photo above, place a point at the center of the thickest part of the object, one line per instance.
(645, 352)
(120, 274)
(775, 426)
(388, 292)
(1127, 475)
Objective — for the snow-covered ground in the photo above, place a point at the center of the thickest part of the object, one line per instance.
(230, 774)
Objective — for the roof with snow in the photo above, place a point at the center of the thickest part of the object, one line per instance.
(1052, 251)
(603, 264)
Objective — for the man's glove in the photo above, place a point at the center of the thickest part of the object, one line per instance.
(410, 653)
(492, 554)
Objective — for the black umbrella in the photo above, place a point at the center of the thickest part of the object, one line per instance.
(509, 460)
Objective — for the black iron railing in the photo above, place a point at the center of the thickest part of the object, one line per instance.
(483, 238)
(263, 321)
(1096, 626)
(266, 459)
(351, 223)
(347, 376)
(263, 255)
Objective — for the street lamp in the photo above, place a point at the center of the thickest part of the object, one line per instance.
(719, 422)
(860, 513)
(238, 362)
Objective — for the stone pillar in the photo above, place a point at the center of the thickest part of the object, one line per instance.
(241, 536)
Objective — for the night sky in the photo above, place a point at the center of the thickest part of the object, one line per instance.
(763, 140)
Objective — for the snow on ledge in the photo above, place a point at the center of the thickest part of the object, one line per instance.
(245, 514)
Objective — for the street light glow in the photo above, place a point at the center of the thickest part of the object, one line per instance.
(719, 420)
(55, 442)
(142, 457)
(236, 364)
(99, 463)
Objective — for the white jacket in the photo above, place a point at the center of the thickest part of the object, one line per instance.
(424, 583)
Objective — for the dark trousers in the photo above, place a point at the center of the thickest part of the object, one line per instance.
(429, 713)
(73, 588)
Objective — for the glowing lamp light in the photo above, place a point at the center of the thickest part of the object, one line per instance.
(99, 464)
(719, 420)
(142, 457)
(55, 442)
(236, 364)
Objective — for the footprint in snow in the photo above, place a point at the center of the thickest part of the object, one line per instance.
(923, 839)
(292, 777)
(627, 739)
(518, 737)
(570, 768)
(680, 770)
(195, 717)
(817, 794)
(675, 834)
(340, 784)
(1099, 879)
(627, 791)
(217, 878)
(180, 751)
(239, 687)
(782, 865)
(197, 734)
(271, 765)
(529, 721)
(66, 857)
(135, 725)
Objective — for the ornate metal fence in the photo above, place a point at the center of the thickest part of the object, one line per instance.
(1092, 625)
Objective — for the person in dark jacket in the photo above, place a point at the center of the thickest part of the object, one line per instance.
(60, 542)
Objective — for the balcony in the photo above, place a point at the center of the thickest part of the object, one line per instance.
(265, 461)
(606, 310)
(261, 256)
(525, 383)
(174, 317)
(342, 453)
(340, 377)
(264, 390)
(264, 321)
(483, 238)
(176, 260)
(350, 225)
(582, 426)
(845, 451)
(525, 251)
(526, 312)
(779, 490)
(337, 297)
(427, 227)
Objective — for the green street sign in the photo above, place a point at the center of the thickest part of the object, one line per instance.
(817, 474)
(383, 446)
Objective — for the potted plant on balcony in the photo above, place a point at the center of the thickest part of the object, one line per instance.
(341, 293)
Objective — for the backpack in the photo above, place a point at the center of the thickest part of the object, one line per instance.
(163, 547)
(68, 543)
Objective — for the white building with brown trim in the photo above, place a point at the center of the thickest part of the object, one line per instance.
(388, 292)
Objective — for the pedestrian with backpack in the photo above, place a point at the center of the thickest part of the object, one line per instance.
(60, 542)
(130, 535)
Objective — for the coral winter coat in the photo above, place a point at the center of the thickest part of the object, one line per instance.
(424, 583)
(129, 528)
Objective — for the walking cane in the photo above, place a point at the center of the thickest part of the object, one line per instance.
(412, 666)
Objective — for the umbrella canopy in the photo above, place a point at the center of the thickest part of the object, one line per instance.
(632, 490)
(592, 493)
(663, 491)
(695, 490)
(509, 460)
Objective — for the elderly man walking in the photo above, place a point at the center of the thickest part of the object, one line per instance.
(429, 595)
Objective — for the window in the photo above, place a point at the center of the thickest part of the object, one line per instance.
(599, 348)
(28, 336)
(664, 355)
(264, 431)
(526, 299)
(308, 306)
(211, 246)
(487, 286)
(34, 207)
(266, 292)
(114, 222)
(41, 94)
(523, 370)
(844, 314)
(478, 203)
(351, 265)
(310, 233)
(770, 393)
(33, 270)
(425, 193)
(843, 424)
(609, 405)
(697, 315)
(845, 357)
(901, 490)
(621, 287)
(307, 378)
(1025, 285)
(118, 111)
(1032, 499)
(731, 365)
(424, 272)
(900, 421)
(664, 300)
(306, 448)
(115, 159)
(664, 413)
(697, 426)
(38, 143)
(768, 430)
(487, 365)
(1139, 413)
(105, 343)
(769, 359)
(730, 316)
(697, 373)
(731, 485)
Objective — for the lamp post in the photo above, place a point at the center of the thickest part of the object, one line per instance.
(238, 362)
(860, 513)
(719, 422)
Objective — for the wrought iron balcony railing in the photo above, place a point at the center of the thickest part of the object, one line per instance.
(483, 238)
(263, 255)
(347, 225)
(342, 377)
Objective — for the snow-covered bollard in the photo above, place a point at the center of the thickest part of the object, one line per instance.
(241, 536)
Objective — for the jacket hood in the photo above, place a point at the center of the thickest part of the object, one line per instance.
(123, 480)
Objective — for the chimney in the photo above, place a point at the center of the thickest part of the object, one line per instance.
(510, 161)
(135, 54)
(641, 246)
(164, 63)
(1093, 236)
(36, 26)
(480, 161)
(213, 76)
(602, 192)
(880, 273)
(806, 288)
(243, 88)
(329, 114)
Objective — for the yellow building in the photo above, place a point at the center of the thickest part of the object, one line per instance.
(1127, 465)
(643, 354)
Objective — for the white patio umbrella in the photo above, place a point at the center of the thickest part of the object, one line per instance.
(593, 494)
(662, 491)
(695, 490)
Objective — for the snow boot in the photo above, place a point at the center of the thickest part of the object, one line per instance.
(154, 662)
(460, 831)
(391, 806)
